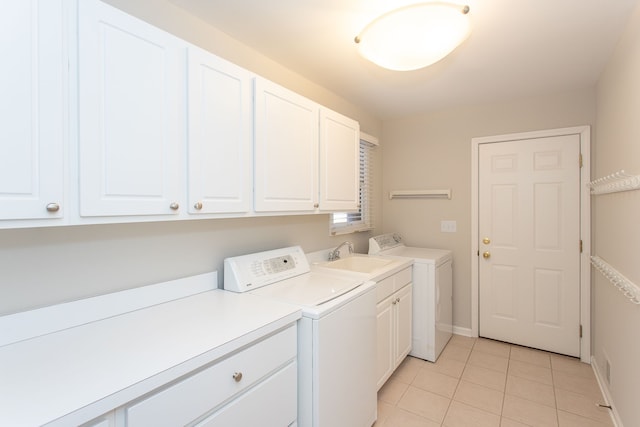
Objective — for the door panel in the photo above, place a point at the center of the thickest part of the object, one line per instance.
(529, 209)
(32, 110)
(131, 125)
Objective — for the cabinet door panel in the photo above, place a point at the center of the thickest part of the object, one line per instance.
(385, 336)
(220, 135)
(286, 150)
(404, 338)
(32, 109)
(131, 86)
(339, 162)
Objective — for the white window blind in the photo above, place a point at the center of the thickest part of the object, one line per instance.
(350, 222)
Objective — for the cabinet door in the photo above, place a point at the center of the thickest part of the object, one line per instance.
(286, 150)
(131, 114)
(339, 162)
(385, 354)
(220, 135)
(403, 323)
(32, 109)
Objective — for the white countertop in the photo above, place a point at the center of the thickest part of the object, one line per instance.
(77, 374)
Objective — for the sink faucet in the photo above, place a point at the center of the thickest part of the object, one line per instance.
(335, 254)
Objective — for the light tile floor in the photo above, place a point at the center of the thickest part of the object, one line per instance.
(485, 383)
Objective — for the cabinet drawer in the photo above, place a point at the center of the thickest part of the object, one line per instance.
(273, 403)
(401, 278)
(199, 393)
(389, 285)
(384, 288)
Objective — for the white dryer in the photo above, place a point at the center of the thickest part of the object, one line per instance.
(432, 293)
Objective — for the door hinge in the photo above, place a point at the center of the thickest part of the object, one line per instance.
(580, 331)
(580, 160)
(580, 245)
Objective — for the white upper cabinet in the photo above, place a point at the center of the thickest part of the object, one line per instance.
(286, 150)
(132, 111)
(220, 135)
(32, 110)
(339, 162)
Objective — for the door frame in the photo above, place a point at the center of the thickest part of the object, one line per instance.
(585, 225)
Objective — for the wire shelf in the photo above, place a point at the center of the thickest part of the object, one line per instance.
(624, 285)
(619, 181)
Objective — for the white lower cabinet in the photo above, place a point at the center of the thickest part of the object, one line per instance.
(257, 386)
(270, 404)
(106, 420)
(393, 323)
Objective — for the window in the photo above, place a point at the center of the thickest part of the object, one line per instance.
(350, 222)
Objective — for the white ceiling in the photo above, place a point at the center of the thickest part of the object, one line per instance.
(517, 48)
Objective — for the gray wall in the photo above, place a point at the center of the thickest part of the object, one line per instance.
(433, 151)
(616, 322)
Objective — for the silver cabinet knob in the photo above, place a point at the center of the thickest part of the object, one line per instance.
(53, 207)
(174, 206)
(237, 376)
(316, 205)
(198, 205)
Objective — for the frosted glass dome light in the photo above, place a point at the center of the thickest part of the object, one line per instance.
(414, 36)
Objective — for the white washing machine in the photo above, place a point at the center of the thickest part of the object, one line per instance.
(432, 293)
(336, 334)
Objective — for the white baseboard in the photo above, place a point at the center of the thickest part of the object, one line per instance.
(465, 332)
(604, 388)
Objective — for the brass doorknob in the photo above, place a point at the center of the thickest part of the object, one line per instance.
(486, 240)
(486, 254)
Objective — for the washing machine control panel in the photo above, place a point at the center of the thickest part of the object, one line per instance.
(247, 272)
(383, 242)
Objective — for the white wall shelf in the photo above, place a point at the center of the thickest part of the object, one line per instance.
(616, 182)
(420, 194)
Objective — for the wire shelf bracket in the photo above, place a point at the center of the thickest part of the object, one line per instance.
(616, 182)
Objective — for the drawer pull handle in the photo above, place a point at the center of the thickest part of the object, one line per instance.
(237, 376)
(53, 207)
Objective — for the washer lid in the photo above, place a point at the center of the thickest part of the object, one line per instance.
(310, 289)
(425, 255)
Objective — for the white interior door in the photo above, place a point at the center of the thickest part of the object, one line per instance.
(529, 248)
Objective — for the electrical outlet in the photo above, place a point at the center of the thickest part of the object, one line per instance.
(448, 226)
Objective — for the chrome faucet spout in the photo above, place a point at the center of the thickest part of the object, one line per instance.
(335, 254)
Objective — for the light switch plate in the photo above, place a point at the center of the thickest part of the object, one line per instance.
(448, 226)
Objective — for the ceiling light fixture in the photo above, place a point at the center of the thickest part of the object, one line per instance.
(414, 36)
